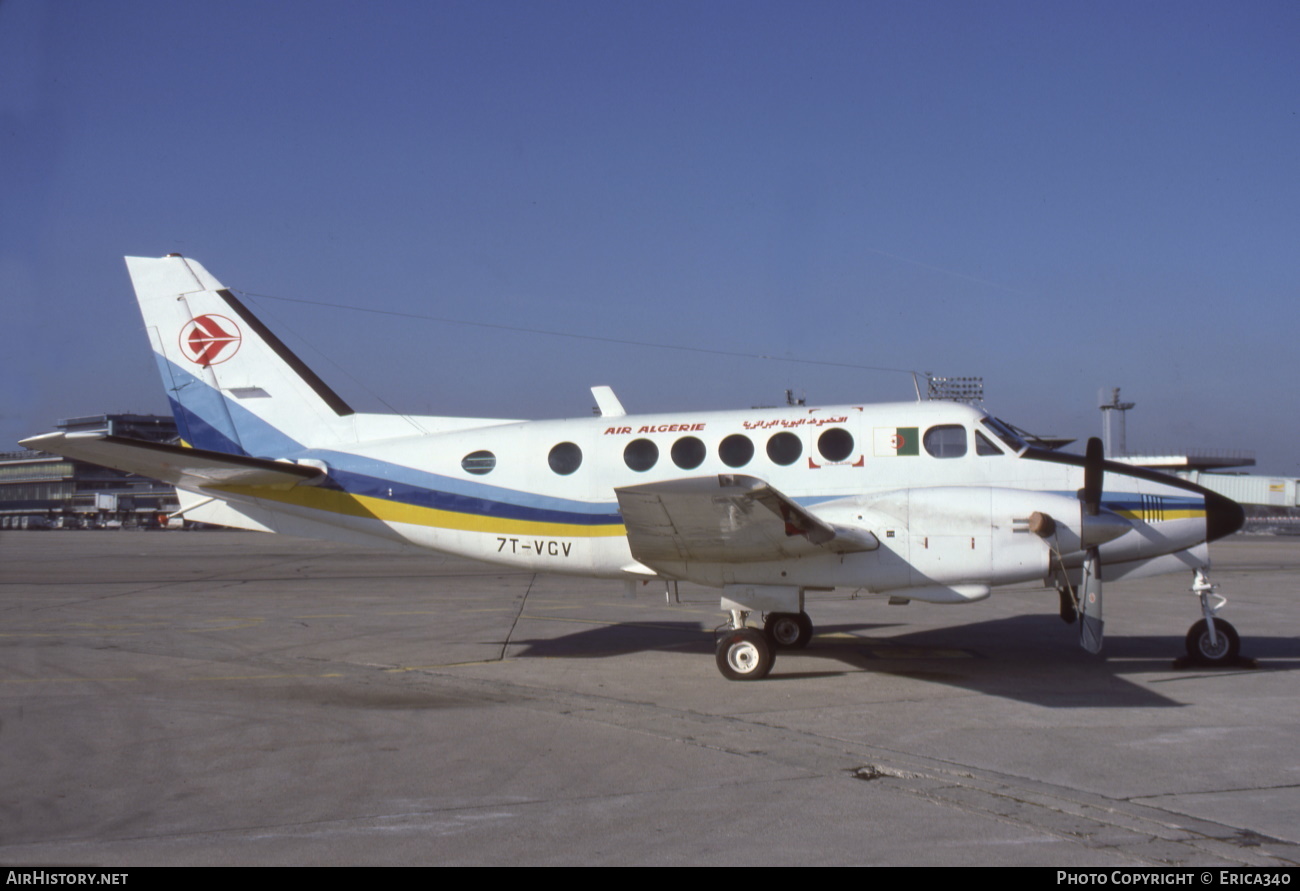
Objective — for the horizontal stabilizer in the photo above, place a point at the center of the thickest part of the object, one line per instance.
(186, 468)
(727, 519)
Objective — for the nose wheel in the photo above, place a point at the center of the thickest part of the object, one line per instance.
(744, 655)
(1215, 650)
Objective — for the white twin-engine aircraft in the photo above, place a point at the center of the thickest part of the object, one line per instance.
(930, 501)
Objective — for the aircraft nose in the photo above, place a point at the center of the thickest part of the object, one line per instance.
(1223, 516)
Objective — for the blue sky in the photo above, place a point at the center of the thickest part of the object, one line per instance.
(1057, 196)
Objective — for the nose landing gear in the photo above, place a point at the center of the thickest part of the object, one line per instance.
(1211, 642)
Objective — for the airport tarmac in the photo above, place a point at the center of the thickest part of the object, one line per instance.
(236, 698)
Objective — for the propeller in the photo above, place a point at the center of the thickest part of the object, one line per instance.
(1096, 527)
(1090, 494)
(1091, 628)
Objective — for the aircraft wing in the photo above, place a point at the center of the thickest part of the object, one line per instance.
(729, 518)
(187, 468)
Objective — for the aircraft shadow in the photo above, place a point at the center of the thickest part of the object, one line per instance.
(1034, 659)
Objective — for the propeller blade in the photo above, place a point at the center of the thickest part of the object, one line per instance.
(1092, 476)
(1091, 627)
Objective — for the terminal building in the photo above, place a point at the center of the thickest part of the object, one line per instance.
(43, 491)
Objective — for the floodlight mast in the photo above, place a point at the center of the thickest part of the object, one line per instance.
(967, 390)
(1113, 431)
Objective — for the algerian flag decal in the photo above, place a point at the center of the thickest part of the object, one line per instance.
(892, 441)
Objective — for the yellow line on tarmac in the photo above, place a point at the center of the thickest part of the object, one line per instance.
(94, 680)
(63, 634)
(264, 677)
(61, 680)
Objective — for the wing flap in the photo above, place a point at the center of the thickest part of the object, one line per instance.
(729, 518)
(186, 468)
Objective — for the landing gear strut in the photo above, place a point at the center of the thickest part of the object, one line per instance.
(1211, 641)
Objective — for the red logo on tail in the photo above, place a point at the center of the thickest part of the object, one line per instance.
(210, 340)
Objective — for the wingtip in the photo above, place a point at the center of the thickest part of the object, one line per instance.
(32, 442)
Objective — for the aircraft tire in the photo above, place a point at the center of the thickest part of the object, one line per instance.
(1202, 652)
(788, 631)
(744, 655)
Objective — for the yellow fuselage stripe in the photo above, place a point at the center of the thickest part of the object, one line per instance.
(1166, 514)
(369, 507)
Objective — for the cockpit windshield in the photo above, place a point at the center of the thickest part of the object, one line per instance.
(1002, 430)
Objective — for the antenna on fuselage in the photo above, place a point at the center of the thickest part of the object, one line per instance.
(607, 404)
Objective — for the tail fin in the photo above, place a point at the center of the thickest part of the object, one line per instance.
(234, 386)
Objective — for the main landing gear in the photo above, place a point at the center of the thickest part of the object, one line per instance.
(1211, 641)
(747, 654)
(788, 631)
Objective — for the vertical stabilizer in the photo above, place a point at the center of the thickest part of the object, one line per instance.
(233, 385)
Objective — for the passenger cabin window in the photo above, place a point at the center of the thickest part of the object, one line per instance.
(641, 455)
(946, 441)
(984, 447)
(784, 448)
(688, 453)
(479, 462)
(835, 444)
(736, 450)
(565, 458)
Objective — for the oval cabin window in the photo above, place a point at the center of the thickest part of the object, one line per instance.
(565, 458)
(835, 444)
(479, 462)
(641, 455)
(736, 450)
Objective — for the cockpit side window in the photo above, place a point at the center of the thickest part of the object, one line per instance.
(945, 441)
(984, 447)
